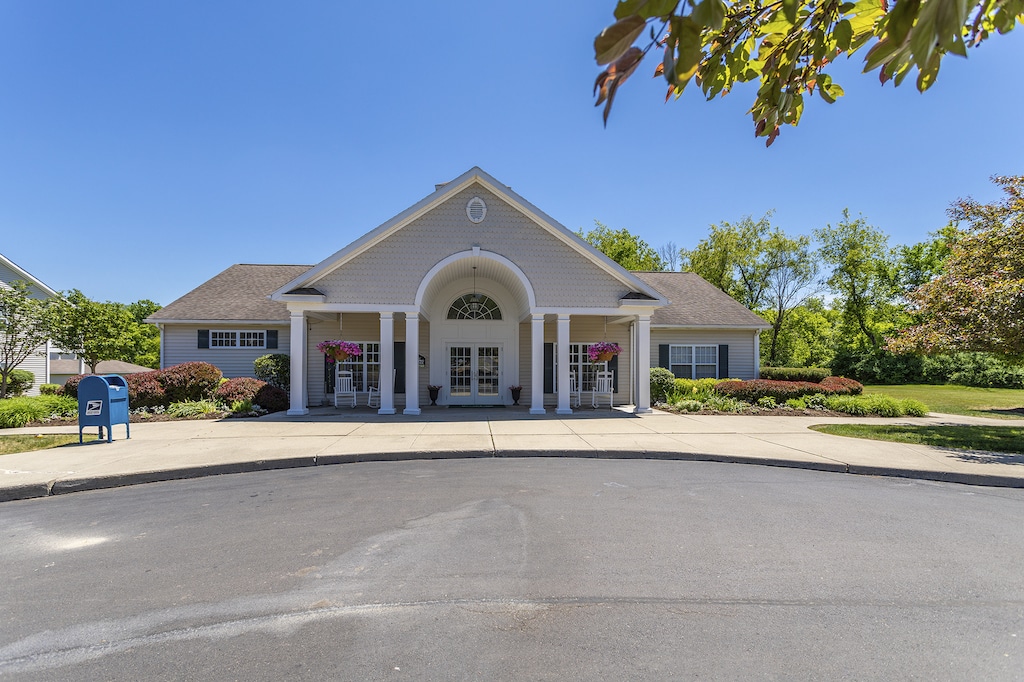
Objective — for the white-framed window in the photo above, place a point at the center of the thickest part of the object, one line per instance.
(693, 362)
(579, 362)
(237, 339)
(365, 368)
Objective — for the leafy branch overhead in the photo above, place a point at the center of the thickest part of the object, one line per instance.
(786, 45)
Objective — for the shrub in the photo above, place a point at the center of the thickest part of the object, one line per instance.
(50, 389)
(812, 374)
(752, 391)
(145, 390)
(688, 405)
(695, 389)
(275, 369)
(271, 399)
(723, 403)
(242, 388)
(841, 386)
(662, 382)
(241, 407)
(875, 404)
(879, 367)
(767, 402)
(189, 381)
(17, 412)
(71, 385)
(19, 381)
(193, 408)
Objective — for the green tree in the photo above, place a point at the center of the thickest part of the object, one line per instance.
(806, 339)
(788, 45)
(24, 327)
(920, 263)
(977, 303)
(623, 247)
(92, 330)
(861, 278)
(791, 274)
(146, 337)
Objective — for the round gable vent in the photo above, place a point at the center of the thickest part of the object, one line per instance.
(476, 209)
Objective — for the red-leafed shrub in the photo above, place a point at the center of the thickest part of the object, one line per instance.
(271, 399)
(190, 381)
(145, 390)
(242, 388)
(71, 385)
(752, 391)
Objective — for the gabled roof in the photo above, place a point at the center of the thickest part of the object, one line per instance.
(443, 192)
(238, 294)
(26, 276)
(695, 302)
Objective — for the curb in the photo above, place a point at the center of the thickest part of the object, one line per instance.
(62, 487)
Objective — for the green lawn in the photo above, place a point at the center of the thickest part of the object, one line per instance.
(9, 444)
(1004, 403)
(987, 438)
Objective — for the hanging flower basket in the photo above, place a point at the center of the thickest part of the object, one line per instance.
(339, 351)
(603, 351)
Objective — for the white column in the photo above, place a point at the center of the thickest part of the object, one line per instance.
(643, 361)
(387, 363)
(297, 390)
(537, 365)
(412, 363)
(563, 365)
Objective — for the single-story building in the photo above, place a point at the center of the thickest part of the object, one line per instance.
(473, 290)
(38, 362)
(63, 366)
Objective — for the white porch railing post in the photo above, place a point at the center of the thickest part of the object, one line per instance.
(412, 364)
(537, 364)
(563, 365)
(387, 363)
(643, 355)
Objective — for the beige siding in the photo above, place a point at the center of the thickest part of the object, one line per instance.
(591, 329)
(390, 272)
(181, 345)
(740, 342)
(36, 363)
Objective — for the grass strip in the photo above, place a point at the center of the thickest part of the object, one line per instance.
(988, 438)
(1001, 403)
(25, 443)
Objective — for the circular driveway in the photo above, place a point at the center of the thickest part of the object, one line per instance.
(516, 569)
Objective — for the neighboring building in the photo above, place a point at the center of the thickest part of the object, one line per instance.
(472, 289)
(63, 366)
(39, 362)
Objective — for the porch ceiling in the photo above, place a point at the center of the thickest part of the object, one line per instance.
(486, 269)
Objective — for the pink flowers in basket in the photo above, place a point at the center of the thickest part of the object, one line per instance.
(603, 351)
(339, 350)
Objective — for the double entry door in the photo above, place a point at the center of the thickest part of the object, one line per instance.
(474, 374)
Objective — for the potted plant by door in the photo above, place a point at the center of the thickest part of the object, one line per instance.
(516, 392)
(603, 351)
(339, 351)
(434, 392)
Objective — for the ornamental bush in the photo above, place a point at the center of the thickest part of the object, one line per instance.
(781, 391)
(271, 399)
(71, 385)
(812, 374)
(49, 389)
(841, 386)
(662, 383)
(190, 381)
(239, 389)
(19, 381)
(145, 390)
(275, 369)
(694, 389)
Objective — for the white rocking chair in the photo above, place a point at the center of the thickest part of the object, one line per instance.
(574, 390)
(344, 391)
(604, 384)
(373, 394)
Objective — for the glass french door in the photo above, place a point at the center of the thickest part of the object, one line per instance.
(474, 374)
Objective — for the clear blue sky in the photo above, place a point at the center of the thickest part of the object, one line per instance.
(146, 146)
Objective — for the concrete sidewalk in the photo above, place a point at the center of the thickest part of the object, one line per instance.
(162, 451)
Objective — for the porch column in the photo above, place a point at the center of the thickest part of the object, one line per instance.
(563, 365)
(412, 364)
(387, 363)
(757, 355)
(537, 364)
(297, 387)
(643, 362)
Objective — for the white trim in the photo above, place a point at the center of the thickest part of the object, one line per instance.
(475, 252)
(412, 365)
(28, 277)
(713, 327)
(562, 366)
(223, 323)
(643, 374)
(387, 363)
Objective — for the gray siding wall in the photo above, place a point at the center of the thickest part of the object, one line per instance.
(390, 272)
(181, 345)
(740, 342)
(37, 361)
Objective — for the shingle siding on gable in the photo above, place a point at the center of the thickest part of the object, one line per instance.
(181, 345)
(390, 272)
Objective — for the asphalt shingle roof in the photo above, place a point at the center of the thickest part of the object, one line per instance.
(695, 301)
(238, 293)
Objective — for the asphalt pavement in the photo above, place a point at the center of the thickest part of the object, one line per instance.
(160, 451)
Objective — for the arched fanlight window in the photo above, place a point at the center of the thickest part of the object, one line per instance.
(474, 307)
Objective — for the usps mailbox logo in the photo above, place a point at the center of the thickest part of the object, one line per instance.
(94, 408)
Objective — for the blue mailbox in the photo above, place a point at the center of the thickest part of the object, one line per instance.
(103, 402)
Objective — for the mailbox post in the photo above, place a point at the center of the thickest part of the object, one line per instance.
(103, 402)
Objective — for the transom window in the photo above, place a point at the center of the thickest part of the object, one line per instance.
(238, 339)
(474, 307)
(693, 362)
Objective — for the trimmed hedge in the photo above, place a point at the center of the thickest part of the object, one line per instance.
(145, 390)
(190, 381)
(241, 388)
(812, 374)
(752, 391)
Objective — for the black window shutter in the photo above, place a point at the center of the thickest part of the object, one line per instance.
(399, 366)
(328, 375)
(723, 361)
(663, 357)
(549, 368)
(272, 339)
(204, 338)
(613, 367)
